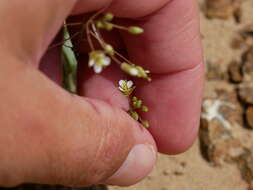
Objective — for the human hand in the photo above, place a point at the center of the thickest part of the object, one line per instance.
(49, 136)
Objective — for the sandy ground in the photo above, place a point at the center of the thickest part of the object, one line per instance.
(190, 171)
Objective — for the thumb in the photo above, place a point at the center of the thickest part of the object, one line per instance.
(51, 137)
(47, 135)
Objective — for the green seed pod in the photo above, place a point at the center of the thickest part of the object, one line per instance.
(108, 17)
(135, 30)
(108, 26)
(99, 25)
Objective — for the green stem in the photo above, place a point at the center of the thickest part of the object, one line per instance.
(69, 63)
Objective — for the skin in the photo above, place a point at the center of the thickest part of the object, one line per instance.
(49, 136)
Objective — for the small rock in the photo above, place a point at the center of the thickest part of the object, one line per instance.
(247, 67)
(183, 164)
(247, 31)
(249, 116)
(218, 119)
(222, 9)
(216, 71)
(217, 143)
(245, 164)
(238, 42)
(245, 93)
(224, 107)
(178, 173)
(244, 38)
(234, 71)
(166, 172)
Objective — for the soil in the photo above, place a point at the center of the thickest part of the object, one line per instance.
(221, 158)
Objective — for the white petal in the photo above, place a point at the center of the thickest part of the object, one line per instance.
(98, 68)
(91, 62)
(106, 61)
(130, 84)
(121, 83)
(133, 71)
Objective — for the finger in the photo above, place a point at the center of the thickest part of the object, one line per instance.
(52, 137)
(57, 138)
(29, 32)
(170, 48)
(126, 9)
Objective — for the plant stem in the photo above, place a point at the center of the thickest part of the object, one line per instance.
(69, 63)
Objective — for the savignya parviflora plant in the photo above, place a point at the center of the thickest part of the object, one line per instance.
(102, 57)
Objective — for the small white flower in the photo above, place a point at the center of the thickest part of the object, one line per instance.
(98, 60)
(124, 83)
(126, 87)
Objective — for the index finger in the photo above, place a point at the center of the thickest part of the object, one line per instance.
(170, 48)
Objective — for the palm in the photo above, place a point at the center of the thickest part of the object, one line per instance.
(170, 49)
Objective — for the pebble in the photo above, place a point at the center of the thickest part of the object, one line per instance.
(249, 116)
(234, 71)
(222, 9)
(247, 67)
(245, 164)
(219, 116)
(245, 93)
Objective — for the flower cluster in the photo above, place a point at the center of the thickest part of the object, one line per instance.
(127, 87)
(102, 57)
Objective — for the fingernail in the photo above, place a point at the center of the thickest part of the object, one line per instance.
(139, 163)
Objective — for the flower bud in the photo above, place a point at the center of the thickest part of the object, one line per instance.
(134, 115)
(109, 49)
(108, 26)
(144, 108)
(137, 104)
(108, 17)
(135, 30)
(99, 25)
(145, 124)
